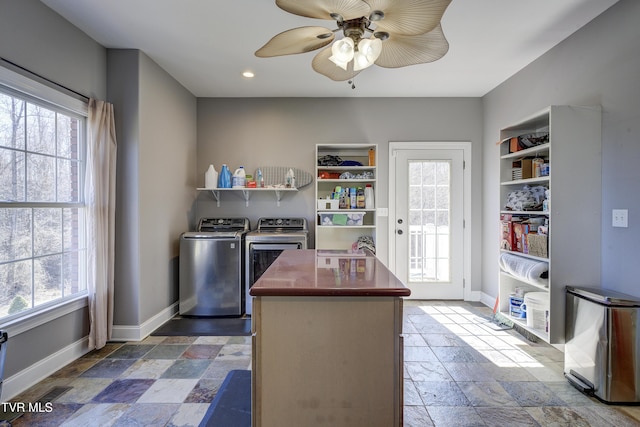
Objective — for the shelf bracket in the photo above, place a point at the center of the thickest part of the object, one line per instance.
(278, 197)
(246, 196)
(216, 195)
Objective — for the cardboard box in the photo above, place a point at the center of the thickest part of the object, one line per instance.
(538, 245)
(520, 231)
(525, 167)
(506, 233)
(514, 145)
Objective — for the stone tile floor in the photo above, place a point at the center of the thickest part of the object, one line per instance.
(459, 371)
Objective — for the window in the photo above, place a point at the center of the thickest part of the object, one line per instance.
(42, 245)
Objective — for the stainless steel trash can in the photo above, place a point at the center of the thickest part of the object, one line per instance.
(602, 344)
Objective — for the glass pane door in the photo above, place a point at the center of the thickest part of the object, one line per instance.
(429, 219)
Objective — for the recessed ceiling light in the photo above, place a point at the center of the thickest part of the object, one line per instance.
(248, 74)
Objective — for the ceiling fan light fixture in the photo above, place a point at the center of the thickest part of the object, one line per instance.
(368, 51)
(376, 15)
(410, 29)
(343, 51)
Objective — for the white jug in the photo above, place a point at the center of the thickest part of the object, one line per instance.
(211, 178)
(239, 178)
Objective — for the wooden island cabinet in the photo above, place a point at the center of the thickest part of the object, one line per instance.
(327, 343)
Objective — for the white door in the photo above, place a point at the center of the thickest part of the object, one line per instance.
(428, 221)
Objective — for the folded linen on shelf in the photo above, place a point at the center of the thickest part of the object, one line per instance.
(529, 270)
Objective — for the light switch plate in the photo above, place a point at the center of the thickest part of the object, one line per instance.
(620, 218)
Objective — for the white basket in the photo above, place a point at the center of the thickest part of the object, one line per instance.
(328, 204)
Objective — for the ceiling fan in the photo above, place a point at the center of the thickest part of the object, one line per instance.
(388, 33)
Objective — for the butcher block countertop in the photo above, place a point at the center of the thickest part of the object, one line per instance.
(311, 272)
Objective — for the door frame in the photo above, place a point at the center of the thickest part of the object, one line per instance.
(465, 146)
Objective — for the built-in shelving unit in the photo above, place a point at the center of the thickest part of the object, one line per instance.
(573, 217)
(330, 235)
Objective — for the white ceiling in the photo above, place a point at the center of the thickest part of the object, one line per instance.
(207, 44)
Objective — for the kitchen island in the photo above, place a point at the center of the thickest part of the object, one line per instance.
(327, 343)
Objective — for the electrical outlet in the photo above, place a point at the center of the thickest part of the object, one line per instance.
(620, 218)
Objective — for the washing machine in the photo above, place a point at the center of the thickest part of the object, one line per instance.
(264, 244)
(212, 268)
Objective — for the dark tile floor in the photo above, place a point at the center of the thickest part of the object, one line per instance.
(459, 371)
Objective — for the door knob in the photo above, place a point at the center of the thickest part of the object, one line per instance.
(399, 231)
(399, 220)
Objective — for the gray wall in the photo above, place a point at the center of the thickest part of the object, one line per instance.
(40, 40)
(598, 65)
(285, 131)
(34, 37)
(156, 131)
(167, 165)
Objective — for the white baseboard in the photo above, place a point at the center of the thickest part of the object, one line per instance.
(475, 296)
(24, 379)
(487, 300)
(138, 333)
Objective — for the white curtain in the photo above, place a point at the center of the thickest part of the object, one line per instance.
(100, 197)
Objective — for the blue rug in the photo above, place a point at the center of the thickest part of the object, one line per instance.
(232, 404)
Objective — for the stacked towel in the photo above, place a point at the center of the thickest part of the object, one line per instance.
(526, 269)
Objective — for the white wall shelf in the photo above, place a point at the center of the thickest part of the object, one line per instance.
(246, 192)
(541, 180)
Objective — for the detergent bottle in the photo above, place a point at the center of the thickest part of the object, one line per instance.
(239, 178)
(224, 179)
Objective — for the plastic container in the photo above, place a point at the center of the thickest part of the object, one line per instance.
(536, 307)
(341, 219)
(224, 179)
(360, 199)
(344, 199)
(259, 179)
(290, 179)
(211, 177)
(369, 202)
(515, 307)
(239, 179)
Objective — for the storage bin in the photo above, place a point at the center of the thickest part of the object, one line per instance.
(536, 306)
(324, 204)
(338, 218)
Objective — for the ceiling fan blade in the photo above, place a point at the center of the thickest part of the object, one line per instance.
(322, 9)
(324, 66)
(401, 51)
(297, 40)
(409, 17)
